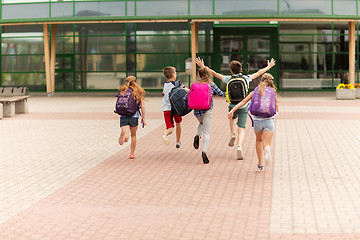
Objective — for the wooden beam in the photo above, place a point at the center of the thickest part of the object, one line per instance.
(194, 49)
(47, 59)
(352, 52)
(53, 57)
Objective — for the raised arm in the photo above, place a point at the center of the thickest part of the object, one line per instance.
(200, 63)
(142, 109)
(270, 63)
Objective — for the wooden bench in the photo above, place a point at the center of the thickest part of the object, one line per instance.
(13, 100)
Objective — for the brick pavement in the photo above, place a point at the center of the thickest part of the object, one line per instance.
(64, 176)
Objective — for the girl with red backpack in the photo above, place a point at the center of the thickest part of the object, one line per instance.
(130, 94)
(200, 99)
(263, 107)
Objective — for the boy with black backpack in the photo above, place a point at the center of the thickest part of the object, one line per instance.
(236, 90)
(169, 116)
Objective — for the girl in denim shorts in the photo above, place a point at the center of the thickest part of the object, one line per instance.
(263, 127)
(130, 123)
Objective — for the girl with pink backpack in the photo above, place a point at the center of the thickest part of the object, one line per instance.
(200, 99)
(263, 107)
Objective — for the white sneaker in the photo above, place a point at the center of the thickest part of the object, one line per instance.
(178, 144)
(232, 140)
(165, 138)
(239, 152)
(267, 156)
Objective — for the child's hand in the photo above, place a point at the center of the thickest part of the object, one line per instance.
(271, 63)
(200, 62)
(230, 114)
(143, 122)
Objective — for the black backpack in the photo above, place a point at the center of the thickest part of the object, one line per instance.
(178, 100)
(236, 89)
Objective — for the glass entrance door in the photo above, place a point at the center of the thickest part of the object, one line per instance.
(253, 47)
(64, 71)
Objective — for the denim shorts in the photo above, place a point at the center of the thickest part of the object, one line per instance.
(131, 121)
(264, 125)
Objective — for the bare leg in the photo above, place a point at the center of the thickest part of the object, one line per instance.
(267, 138)
(241, 136)
(133, 139)
(178, 132)
(259, 147)
(124, 135)
(232, 125)
(168, 131)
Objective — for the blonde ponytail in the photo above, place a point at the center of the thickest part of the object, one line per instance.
(138, 92)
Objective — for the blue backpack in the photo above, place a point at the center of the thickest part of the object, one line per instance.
(178, 100)
(126, 104)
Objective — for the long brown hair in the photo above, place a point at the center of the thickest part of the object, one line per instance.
(204, 75)
(267, 80)
(138, 92)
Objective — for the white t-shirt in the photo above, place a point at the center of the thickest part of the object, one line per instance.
(166, 105)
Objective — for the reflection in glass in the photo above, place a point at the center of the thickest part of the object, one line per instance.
(167, 43)
(156, 62)
(311, 7)
(64, 44)
(344, 7)
(130, 8)
(161, 7)
(259, 44)
(35, 80)
(104, 80)
(100, 44)
(201, 7)
(101, 62)
(22, 46)
(231, 43)
(21, 11)
(162, 28)
(257, 62)
(62, 9)
(156, 80)
(19, 63)
(245, 7)
(103, 8)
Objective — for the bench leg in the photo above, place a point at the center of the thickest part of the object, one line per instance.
(1, 110)
(21, 106)
(9, 109)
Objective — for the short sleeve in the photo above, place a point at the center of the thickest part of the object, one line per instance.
(226, 78)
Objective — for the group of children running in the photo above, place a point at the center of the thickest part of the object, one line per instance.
(264, 98)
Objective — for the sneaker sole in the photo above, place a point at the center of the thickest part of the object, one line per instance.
(166, 141)
(240, 156)
(196, 142)
(232, 141)
(267, 157)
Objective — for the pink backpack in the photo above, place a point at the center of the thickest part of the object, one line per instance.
(199, 96)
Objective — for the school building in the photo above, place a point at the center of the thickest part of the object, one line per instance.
(87, 45)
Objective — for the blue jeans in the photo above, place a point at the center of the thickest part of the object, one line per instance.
(264, 125)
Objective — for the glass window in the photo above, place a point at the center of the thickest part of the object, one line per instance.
(130, 8)
(161, 7)
(162, 28)
(21, 11)
(156, 62)
(205, 43)
(101, 44)
(22, 46)
(27, 63)
(62, 9)
(104, 80)
(33, 80)
(259, 44)
(23, 1)
(64, 45)
(162, 44)
(311, 7)
(64, 30)
(201, 7)
(344, 7)
(231, 43)
(245, 7)
(105, 9)
(100, 29)
(156, 80)
(101, 62)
